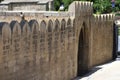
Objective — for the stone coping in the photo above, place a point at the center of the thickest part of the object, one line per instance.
(24, 1)
(36, 13)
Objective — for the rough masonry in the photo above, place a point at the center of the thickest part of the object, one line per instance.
(27, 5)
(54, 45)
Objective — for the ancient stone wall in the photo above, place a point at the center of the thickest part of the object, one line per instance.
(29, 5)
(3, 8)
(37, 50)
(98, 32)
(102, 38)
(54, 45)
(28, 15)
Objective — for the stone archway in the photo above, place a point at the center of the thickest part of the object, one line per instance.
(83, 51)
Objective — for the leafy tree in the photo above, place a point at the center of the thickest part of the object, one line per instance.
(99, 6)
(102, 6)
(67, 3)
(105, 6)
(1, 0)
(57, 4)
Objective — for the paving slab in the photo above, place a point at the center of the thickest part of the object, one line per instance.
(109, 71)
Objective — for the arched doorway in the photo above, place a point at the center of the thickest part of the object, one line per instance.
(83, 51)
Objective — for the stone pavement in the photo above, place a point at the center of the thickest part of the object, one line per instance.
(109, 71)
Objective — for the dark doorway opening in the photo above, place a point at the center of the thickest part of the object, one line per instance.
(82, 53)
(115, 41)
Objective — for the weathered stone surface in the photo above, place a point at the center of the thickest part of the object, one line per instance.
(17, 58)
(5, 51)
(34, 26)
(26, 49)
(53, 45)
(34, 5)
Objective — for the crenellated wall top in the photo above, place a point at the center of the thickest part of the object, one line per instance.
(104, 17)
(81, 8)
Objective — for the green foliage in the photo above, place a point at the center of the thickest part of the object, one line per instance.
(119, 30)
(57, 4)
(100, 6)
(105, 6)
(1, 0)
(67, 3)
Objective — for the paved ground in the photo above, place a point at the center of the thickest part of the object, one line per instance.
(109, 71)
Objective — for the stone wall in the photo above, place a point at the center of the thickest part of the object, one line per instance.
(102, 38)
(3, 8)
(28, 15)
(37, 50)
(28, 7)
(54, 45)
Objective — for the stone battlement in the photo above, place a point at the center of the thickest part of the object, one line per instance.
(81, 8)
(104, 17)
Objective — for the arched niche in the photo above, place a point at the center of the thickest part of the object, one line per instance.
(57, 39)
(15, 28)
(25, 43)
(62, 36)
(74, 30)
(43, 26)
(49, 32)
(5, 30)
(70, 55)
(56, 30)
(57, 25)
(51, 49)
(50, 26)
(42, 36)
(74, 51)
(63, 25)
(6, 37)
(44, 55)
(69, 23)
(25, 28)
(5, 48)
(69, 33)
(34, 27)
(63, 50)
(16, 45)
